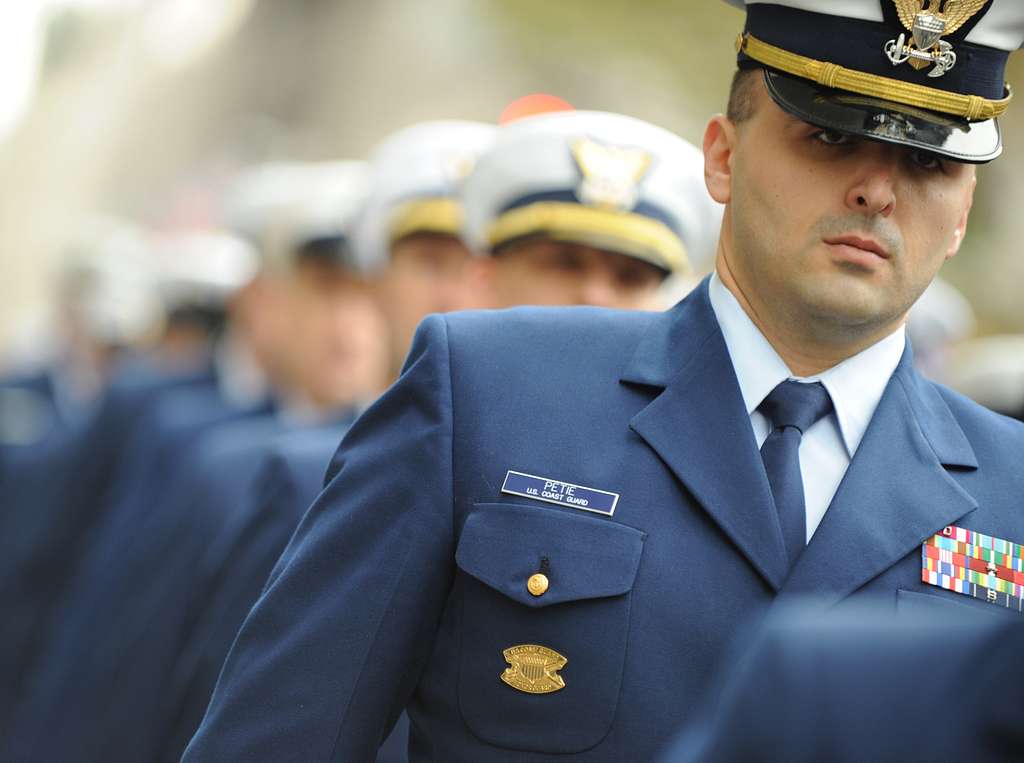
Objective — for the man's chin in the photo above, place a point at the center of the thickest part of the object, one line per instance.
(852, 307)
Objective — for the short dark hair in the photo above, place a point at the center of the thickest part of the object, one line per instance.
(741, 95)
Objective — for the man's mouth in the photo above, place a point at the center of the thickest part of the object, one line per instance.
(862, 243)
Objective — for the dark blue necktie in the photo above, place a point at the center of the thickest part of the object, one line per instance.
(792, 408)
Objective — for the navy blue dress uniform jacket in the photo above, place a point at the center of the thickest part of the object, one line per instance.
(95, 649)
(862, 685)
(180, 576)
(237, 558)
(29, 410)
(55, 498)
(408, 577)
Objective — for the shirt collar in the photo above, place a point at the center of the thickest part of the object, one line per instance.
(855, 385)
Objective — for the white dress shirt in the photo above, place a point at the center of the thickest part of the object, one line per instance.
(855, 385)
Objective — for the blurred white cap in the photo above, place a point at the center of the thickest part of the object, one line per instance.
(415, 176)
(606, 180)
(333, 194)
(991, 371)
(939, 320)
(203, 268)
(260, 197)
(942, 316)
(109, 282)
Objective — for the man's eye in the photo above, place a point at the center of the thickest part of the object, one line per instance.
(564, 258)
(925, 161)
(832, 138)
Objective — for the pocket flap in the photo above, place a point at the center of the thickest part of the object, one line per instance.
(503, 544)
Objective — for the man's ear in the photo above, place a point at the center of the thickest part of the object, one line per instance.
(961, 227)
(719, 142)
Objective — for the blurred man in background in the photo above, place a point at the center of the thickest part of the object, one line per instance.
(940, 322)
(107, 305)
(54, 497)
(124, 625)
(410, 230)
(62, 498)
(545, 206)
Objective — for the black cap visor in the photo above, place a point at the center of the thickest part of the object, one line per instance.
(885, 121)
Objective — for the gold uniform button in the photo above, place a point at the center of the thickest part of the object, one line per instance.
(537, 584)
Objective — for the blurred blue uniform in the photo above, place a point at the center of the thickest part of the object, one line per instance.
(29, 410)
(236, 560)
(861, 685)
(235, 565)
(52, 498)
(239, 561)
(83, 646)
(408, 578)
(76, 475)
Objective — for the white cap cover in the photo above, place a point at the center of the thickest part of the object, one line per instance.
(607, 180)
(415, 176)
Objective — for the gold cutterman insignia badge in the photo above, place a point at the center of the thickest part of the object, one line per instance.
(928, 22)
(534, 669)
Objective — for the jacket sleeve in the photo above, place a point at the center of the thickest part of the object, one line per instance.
(332, 649)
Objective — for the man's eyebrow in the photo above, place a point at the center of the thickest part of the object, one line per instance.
(792, 122)
(792, 119)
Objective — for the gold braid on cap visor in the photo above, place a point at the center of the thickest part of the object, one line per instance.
(974, 108)
(431, 215)
(627, 233)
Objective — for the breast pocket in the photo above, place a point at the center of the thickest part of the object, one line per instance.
(540, 664)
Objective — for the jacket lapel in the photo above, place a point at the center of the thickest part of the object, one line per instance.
(896, 492)
(700, 429)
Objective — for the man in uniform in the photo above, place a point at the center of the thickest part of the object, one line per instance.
(135, 594)
(409, 234)
(106, 307)
(60, 495)
(553, 206)
(540, 539)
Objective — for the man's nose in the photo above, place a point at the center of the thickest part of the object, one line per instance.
(873, 192)
(597, 287)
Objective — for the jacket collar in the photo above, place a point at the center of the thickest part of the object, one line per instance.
(700, 428)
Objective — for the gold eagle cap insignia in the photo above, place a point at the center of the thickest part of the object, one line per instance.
(610, 174)
(954, 13)
(456, 166)
(928, 21)
(534, 669)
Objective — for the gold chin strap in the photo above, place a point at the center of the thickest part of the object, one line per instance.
(972, 107)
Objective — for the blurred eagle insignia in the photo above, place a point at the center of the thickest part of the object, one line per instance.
(456, 166)
(928, 21)
(534, 669)
(610, 174)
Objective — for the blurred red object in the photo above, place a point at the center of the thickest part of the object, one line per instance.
(531, 105)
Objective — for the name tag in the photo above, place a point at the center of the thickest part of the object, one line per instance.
(562, 493)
